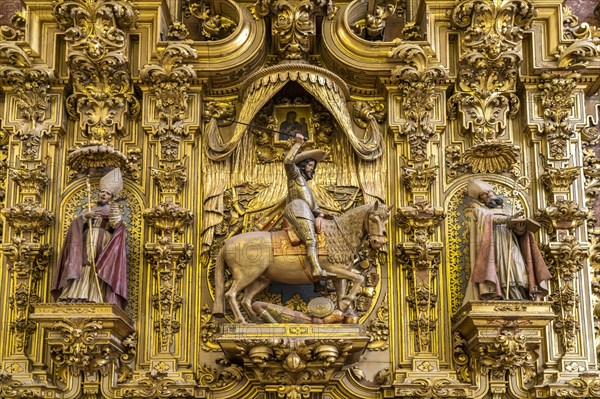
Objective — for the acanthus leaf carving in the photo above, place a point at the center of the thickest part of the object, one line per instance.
(416, 77)
(558, 98)
(214, 26)
(170, 81)
(103, 89)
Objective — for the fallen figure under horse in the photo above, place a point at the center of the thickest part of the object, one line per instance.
(253, 263)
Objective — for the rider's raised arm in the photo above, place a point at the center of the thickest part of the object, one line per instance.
(291, 169)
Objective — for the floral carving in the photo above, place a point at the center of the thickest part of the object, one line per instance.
(28, 217)
(557, 93)
(293, 24)
(157, 384)
(557, 180)
(493, 26)
(565, 261)
(508, 352)
(16, 30)
(581, 45)
(561, 215)
(30, 181)
(416, 77)
(168, 262)
(212, 378)
(214, 26)
(103, 90)
(30, 84)
(170, 180)
(420, 259)
(168, 218)
(170, 82)
(378, 329)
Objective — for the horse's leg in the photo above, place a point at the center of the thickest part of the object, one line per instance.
(340, 289)
(239, 283)
(343, 272)
(250, 292)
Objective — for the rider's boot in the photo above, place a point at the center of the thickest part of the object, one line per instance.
(313, 259)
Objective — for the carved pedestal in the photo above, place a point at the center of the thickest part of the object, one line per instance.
(502, 340)
(88, 338)
(293, 360)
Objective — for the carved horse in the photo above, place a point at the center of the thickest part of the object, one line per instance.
(253, 265)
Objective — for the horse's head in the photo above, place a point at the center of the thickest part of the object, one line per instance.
(375, 223)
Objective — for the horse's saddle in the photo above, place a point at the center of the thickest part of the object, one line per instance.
(287, 242)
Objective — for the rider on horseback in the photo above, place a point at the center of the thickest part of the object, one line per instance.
(301, 207)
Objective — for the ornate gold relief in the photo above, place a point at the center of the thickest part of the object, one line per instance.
(372, 26)
(16, 30)
(211, 378)
(558, 180)
(103, 90)
(416, 77)
(561, 214)
(502, 339)
(303, 360)
(168, 262)
(11, 388)
(487, 77)
(378, 329)
(26, 265)
(158, 383)
(557, 95)
(214, 26)
(170, 81)
(30, 181)
(30, 84)
(582, 42)
(565, 260)
(168, 218)
(420, 259)
(28, 218)
(293, 24)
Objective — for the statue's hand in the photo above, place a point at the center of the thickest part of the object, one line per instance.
(298, 138)
(89, 214)
(519, 214)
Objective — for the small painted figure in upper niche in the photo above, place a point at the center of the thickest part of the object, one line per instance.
(290, 127)
(505, 260)
(93, 265)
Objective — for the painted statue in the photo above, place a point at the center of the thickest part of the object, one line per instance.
(92, 265)
(301, 208)
(259, 257)
(506, 262)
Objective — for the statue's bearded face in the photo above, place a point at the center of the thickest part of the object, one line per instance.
(308, 169)
(491, 200)
(103, 197)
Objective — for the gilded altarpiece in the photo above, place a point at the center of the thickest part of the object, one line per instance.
(407, 101)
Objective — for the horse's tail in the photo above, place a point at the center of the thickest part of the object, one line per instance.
(219, 304)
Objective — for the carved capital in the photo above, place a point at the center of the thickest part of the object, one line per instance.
(168, 218)
(28, 217)
(30, 181)
(419, 217)
(557, 180)
(418, 178)
(170, 180)
(562, 214)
